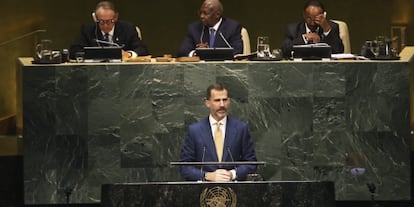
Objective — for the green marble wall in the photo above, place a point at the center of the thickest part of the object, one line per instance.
(164, 23)
(87, 125)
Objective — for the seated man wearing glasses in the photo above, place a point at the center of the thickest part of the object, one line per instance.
(107, 30)
(314, 28)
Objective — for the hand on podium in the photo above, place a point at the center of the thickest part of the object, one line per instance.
(219, 175)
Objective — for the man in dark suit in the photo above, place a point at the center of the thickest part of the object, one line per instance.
(213, 30)
(315, 28)
(218, 138)
(108, 28)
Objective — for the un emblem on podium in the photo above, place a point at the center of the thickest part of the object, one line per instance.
(218, 197)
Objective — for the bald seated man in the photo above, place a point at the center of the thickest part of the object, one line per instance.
(225, 32)
(314, 28)
(119, 32)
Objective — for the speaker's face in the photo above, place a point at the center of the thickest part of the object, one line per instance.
(106, 19)
(218, 103)
(209, 14)
(312, 16)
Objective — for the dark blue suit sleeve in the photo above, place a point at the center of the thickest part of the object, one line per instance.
(244, 152)
(130, 39)
(235, 39)
(190, 42)
(190, 152)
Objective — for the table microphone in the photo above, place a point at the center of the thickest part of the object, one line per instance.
(231, 157)
(222, 37)
(202, 160)
(108, 43)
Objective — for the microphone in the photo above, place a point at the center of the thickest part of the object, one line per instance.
(231, 156)
(22, 36)
(202, 34)
(202, 160)
(108, 43)
(222, 37)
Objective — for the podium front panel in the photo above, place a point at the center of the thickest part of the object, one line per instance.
(231, 194)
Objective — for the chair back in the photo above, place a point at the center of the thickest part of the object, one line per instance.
(344, 35)
(246, 41)
(139, 32)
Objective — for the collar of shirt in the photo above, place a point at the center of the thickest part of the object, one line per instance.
(213, 125)
(317, 30)
(309, 30)
(111, 33)
(217, 25)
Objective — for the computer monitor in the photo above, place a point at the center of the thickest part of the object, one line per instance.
(103, 54)
(215, 54)
(312, 51)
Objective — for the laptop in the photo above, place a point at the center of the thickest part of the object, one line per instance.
(317, 51)
(215, 54)
(103, 54)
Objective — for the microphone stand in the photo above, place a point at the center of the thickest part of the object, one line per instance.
(108, 43)
(23, 36)
(68, 191)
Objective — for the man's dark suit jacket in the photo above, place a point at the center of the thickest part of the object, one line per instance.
(198, 146)
(197, 32)
(125, 35)
(295, 31)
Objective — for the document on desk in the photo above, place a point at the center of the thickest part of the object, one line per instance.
(321, 44)
(343, 56)
(316, 51)
(348, 56)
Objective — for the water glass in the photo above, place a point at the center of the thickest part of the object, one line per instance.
(44, 50)
(263, 47)
(277, 53)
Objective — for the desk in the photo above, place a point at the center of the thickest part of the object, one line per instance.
(240, 194)
(89, 124)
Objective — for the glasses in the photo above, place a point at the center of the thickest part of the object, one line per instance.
(109, 21)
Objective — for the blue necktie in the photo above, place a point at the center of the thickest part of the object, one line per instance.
(212, 37)
(106, 39)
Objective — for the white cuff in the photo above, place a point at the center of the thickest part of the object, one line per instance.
(304, 39)
(133, 54)
(191, 54)
(327, 33)
(233, 172)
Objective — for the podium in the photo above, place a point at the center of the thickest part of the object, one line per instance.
(235, 164)
(232, 194)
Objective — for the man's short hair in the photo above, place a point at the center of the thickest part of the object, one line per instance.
(215, 86)
(315, 3)
(106, 5)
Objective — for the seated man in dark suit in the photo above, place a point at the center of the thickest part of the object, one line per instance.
(213, 30)
(108, 28)
(315, 28)
(217, 138)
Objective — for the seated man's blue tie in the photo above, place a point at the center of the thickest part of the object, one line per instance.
(212, 37)
(106, 39)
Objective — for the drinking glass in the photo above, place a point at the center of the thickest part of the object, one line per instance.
(44, 50)
(277, 53)
(381, 44)
(373, 47)
(263, 47)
